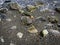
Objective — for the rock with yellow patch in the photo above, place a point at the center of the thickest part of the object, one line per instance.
(38, 3)
(14, 5)
(31, 8)
(32, 29)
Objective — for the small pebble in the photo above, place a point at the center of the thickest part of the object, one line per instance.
(12, 44)
(14, 15)
(19, 34)
(45, 32)
(13, 27)
(0, 19)
(49, 24)
(26, 20)
(2, 40)
(8, 19)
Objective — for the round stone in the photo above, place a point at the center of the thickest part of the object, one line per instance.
(3, 10)
(26, 20)
(19, 34)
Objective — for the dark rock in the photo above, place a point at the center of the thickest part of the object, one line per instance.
(2, 16)
(7, 1)
(53, 19)
(3, 10)
(26, 20)
(58, 25)
(57, 9)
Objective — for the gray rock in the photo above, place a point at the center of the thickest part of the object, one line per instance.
(53, 19)
(3, 10)
(57, 9)
(15, 6)
(26, 20)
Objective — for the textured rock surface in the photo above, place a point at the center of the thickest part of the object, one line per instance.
(14, 32)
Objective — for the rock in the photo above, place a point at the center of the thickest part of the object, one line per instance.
(14, 6)
(26, 20)
(55, 32)
(3, 10)
(49, 25)
(58, 25)
(30, 8)
(2, 16)
(57, 9)
(53, 19)
(21, 11)
(26, 13)
(41, 18)
(44, 33)
(19, 34)
(12, 43)
(32, 29)
(39, 3)
(2, 40)
(7, 1)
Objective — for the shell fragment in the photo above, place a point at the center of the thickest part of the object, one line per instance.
(19, 34)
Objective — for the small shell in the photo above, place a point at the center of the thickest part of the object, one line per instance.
(45, 32)
(19, 34)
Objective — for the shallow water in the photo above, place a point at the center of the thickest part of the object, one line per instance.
(49, 4)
